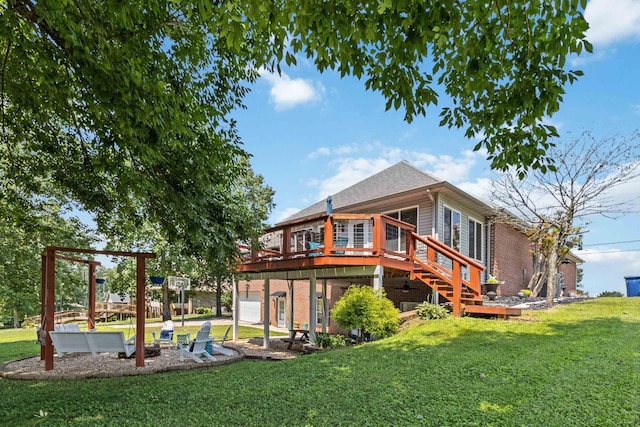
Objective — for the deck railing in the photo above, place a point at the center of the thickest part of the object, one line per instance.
(335, 235)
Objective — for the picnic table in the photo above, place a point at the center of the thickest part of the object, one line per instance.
(293, 337)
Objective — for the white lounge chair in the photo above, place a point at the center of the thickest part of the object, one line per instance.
(220, 346)
(165, 335)
(198, 347)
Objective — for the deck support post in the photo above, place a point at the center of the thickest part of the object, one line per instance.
(313, 300)
(324, 306)
(267, 314)
(236, 307)
(290, 284)
(376, 280)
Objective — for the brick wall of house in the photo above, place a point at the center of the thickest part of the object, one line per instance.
(569, 276)
(510, 252)
(419, 292)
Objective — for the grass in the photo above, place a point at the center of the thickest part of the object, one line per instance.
(575, 365)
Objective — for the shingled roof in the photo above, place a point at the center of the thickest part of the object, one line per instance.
(396, 179)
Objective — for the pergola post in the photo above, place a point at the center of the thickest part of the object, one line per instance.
(43, 291)
(49, 302)
(140, 310)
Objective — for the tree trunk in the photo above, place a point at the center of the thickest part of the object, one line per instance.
(552, 265)
(219, 297)
(16, 321)
(166, 302)
(535, 284)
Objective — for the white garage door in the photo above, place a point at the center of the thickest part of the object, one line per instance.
(250, 307)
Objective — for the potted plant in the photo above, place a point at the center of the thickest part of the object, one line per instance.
(492, 283)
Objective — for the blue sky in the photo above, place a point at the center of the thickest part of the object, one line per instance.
(314, 134)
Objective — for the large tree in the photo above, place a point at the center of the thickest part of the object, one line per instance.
(126, 105)
(554, 207)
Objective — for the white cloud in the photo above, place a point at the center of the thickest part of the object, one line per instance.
(287, 92)
(349, 171)
(611, 21)
(480, 188)
(320, 152)
(448, 168)
(279, 215)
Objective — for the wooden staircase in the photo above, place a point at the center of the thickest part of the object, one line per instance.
(441, 269)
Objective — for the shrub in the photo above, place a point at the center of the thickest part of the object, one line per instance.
(367, 311)
(428, 311)
(610, 294)
(328, 340)
(204, 310)
(227, 300)
(526, 292)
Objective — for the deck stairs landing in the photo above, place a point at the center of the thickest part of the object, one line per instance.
(464, 295)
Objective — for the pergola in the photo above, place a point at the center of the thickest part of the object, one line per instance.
(47, 309)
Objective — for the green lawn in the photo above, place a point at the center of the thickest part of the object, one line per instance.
(576, 365)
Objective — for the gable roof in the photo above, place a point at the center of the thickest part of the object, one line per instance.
(396, 179)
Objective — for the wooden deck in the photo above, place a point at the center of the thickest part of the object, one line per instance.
(354, 244)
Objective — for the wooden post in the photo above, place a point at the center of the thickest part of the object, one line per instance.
(43, 292)
(49, 296)
(456, 282)
(140, 304)
(328, 235)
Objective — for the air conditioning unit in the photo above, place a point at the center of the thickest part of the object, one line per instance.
(408, 305)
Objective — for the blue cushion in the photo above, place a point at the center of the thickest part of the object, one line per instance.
(340, 243)
(165, 335)
(314, 246)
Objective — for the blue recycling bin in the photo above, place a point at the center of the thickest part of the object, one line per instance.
(633, 286)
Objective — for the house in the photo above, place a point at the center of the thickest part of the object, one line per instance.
(402, 230)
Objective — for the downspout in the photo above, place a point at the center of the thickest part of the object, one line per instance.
(434, 234)
(489, 240)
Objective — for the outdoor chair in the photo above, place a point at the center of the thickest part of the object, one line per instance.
(165, 335)
(340, 243)
(314, 246)
(198, 347)
(220, 347)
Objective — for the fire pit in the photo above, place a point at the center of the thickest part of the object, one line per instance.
(149, 351)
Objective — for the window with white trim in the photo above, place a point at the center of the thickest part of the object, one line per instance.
(397, 238)
(475, 239)
(451, 236)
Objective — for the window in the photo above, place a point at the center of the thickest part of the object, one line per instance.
(320, 310)
(452, 228)
(396, 238)
(475, 240)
